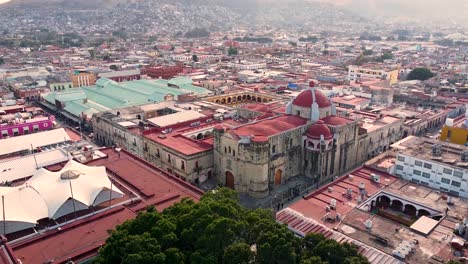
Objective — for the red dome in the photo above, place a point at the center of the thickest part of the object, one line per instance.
(305, 99)
(318, 129)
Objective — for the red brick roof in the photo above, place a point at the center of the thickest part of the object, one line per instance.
(270, 127)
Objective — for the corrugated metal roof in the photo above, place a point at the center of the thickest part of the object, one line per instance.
(302, 226)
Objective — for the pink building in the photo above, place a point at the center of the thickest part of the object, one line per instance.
(27, 126)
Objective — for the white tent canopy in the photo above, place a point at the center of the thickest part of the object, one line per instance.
(55, 194)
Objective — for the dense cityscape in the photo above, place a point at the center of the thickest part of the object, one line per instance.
(252, 131)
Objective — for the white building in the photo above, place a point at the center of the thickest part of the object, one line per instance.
(442, 166)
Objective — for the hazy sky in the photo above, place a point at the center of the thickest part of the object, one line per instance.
(3, 1)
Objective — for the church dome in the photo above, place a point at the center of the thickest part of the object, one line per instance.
(306, 99)
(318, 129)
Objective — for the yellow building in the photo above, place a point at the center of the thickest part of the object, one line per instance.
(356, 73)
(455, 131)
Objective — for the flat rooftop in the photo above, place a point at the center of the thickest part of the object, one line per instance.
(25, 142)
(422, 148)
(433, 238)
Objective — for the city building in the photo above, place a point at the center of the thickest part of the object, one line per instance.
(81, 103)
(309, 140)
(121, 76)
(455, 130)
(82, 78)
(429, 162)
(163, 71)
(356, 73)
(23, 124)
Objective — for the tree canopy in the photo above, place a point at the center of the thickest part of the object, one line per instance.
(232, 51)
(421, 74)
(217, 230)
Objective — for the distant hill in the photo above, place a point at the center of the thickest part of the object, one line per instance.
(406, 8)
(64, 3)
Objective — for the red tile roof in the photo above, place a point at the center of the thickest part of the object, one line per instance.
(336, 120)
(78, 240)
(256, 107)
(313, 205)
(270, 127)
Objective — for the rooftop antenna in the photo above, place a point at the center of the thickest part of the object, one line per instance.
(4, 222)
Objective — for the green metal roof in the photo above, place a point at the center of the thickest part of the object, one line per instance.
(107, 94)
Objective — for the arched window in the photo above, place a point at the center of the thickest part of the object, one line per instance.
(225, 150)
(233, 153)
(229, 149)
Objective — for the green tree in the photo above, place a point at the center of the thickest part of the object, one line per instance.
(367, 52)
(217, 229)
(386, 56)
(238, 253)
(232, 51)
(92, 54)
(421, 74)
(194, 58)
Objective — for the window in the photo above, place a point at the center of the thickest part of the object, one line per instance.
(427, 166)
(458, 174)
(454, 193)
(4, 133)
(401, 158)
(426, 175)
(196, 164)
(273, 149)
(418, 163)
(448, 171)
(456, 184)
(157, 153)
(229, 149)
(424, 183)
(233, 153)
(445, 180)
(169, 157)
(416, 172)
(443, 189)
(182, 165)
(399, 167)
(225, 150)
(15, 131)
(449, 134)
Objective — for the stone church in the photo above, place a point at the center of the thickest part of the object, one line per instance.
(309, 139)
